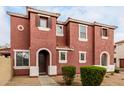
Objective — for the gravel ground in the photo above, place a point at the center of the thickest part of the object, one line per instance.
(109, 80)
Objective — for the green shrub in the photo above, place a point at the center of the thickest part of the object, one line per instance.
(117, 71)
(92, 75)
(68, 73)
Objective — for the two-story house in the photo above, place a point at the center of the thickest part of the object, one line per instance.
(42, 45)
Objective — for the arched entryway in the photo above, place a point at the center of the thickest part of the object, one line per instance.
(104, 58)
(43, 60)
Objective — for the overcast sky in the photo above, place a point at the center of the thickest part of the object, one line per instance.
(108, 15)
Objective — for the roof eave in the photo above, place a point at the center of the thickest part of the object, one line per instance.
(78, 21)
(104, 25)
(42, 12)
(17, 14)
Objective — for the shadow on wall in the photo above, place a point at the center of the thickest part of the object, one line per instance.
(5, 70)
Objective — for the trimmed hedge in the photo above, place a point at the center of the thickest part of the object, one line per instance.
(92, 75)
(68, 73)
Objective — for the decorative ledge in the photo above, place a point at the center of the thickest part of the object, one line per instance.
(64, 48)
(44, 29)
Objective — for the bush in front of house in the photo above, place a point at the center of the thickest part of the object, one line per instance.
(117, 70)
(92, 75)
(68, 73)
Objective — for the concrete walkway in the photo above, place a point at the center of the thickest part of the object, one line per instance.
(46, 80)
(43, 80)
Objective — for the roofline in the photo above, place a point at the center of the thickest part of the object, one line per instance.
(30, 9)
(42, 12)
(60, 22)
(89, 23)
(17, 14)
(119, 42)
(77, 21)
(105, 25)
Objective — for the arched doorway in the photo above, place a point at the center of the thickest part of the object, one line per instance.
(43, 61)
(104, 59)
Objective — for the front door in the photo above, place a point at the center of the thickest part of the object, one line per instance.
(121, 63)
(42, 63)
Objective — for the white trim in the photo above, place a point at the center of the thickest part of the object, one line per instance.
(83, 39)
(63, 61)
(51, 69)
(58, 34)
(21, 50)
(108, 58)
(20, 67)
(43, 28)
(20, 29)
(104, 37)
(109, 68)
(41, 15)
(64, 49)
(37, 53)
(85, 54)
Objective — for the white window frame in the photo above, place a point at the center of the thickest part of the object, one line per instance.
(83, 39)
(21, 67)
(104, 37)
(85, 54)
(63, 61)
(43, 28)
(58, 34)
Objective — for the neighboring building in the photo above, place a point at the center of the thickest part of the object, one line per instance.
(42, 45)
(5, 52)
(119, 54)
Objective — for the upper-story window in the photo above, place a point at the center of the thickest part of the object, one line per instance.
(82, 33)
(59, 30)
(104, 33)
(43, 22)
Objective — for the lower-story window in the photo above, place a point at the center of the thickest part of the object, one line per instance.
(82, 57)
(62, 56)
(21, 58)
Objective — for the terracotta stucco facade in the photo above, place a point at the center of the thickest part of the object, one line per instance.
(34, 39)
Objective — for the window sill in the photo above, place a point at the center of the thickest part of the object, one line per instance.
(82, 61)
(62, 61)
(59, 35)
(44, 29)
(21, 67)
(80, 39)
(103, 37)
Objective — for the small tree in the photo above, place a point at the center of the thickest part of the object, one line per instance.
(68, 73)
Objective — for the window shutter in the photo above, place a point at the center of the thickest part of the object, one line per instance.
(49, 22)
(37, 21)
(101, 31)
